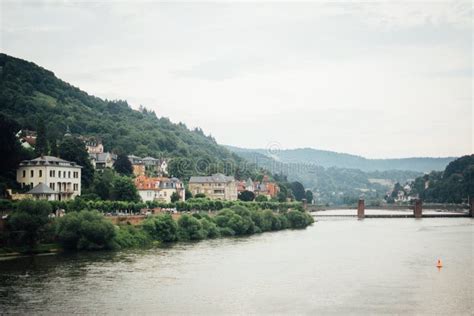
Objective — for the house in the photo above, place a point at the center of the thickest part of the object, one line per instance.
(148, 166)
(138, 165)
(93, 144)
(27, 138)
(62, 177)
(159, 188)
(266, 188)
(216, 186)
(101, 161)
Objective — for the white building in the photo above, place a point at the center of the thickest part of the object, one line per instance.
(159, 189)
(61, 176)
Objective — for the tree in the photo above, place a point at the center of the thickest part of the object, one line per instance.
(73, 149)
(102, 184)
(189, 228)
(41, 147)
(297, 219)
(28, 220)
(162, 228)
(188, 194)
(247, 196)
(123, 189)
(309, 196)
(261, 198)
(298, 190)
(175, 197)
(87, 230)
(199, 195)
(12, 152)
(123, 165)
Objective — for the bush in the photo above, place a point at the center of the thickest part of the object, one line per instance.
(161, 227)
(189, 228)
(129, 236)
(239, 221)
(261, 198)
(226, 231)
(298, 219)
(85, 230)
(28, 220)
(211, 229)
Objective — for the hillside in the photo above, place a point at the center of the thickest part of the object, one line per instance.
(29, 93)
(453, 185)
(334, 185)
(329, 159)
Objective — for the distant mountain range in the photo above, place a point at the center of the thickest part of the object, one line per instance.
(328, 159)
(338, 178)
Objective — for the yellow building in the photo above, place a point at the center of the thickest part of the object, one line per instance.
(216, 187)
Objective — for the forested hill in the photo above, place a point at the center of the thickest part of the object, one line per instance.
(330, 159)
(29, 93)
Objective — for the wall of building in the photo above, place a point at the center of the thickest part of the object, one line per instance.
(70, 176)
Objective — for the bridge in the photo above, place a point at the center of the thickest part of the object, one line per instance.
(433, 210)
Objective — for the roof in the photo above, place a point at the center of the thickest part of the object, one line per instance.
(215, 178)
(49, 161)
(145, 183)
(102, 157)
(41, 188)
(150, 158)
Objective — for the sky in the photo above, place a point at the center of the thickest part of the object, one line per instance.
(381, 79)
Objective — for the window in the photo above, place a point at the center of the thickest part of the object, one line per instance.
(76, 186)
(24, 173)
(32, 173)
(59, 174)
(69, 174)
(40, 173)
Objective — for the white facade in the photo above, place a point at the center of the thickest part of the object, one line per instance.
(63, 177)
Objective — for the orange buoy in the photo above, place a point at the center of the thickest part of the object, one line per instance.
(439, 265)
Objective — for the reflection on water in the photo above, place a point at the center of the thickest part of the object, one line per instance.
(336, 266)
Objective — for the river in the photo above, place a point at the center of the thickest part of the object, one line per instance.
(336, 266)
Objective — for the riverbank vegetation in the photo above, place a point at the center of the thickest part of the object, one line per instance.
(30, 226)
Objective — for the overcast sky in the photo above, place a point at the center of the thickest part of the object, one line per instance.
(387, 79)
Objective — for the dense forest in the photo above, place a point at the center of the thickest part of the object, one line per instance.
(31, 96)
(453, 185)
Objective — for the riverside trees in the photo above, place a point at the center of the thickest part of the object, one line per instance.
(84, 228)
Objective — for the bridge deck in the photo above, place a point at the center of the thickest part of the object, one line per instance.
(393, 215)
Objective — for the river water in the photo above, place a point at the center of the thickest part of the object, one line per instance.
(336, 266)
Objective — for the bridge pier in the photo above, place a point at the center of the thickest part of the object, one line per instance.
(361, 209)
(418, 208)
